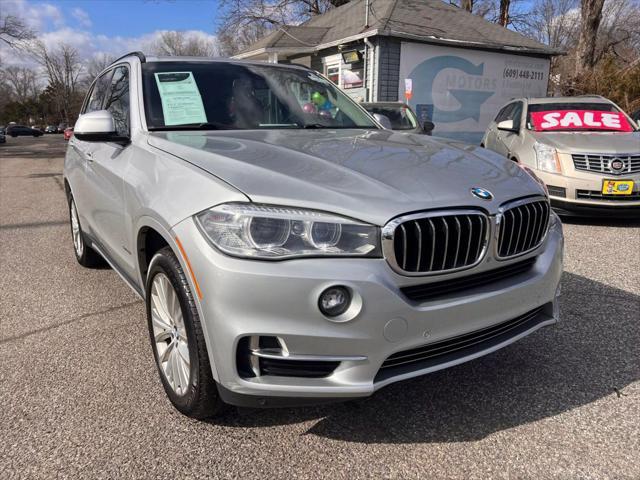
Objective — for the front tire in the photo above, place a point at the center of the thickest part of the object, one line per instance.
(86, 256)
(177, 339)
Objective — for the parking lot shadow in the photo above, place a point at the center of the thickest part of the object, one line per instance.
(603, 221)
(590, 354)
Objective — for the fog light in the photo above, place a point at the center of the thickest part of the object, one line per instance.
(334, 301)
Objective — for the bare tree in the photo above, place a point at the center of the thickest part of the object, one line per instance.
(503, 19)
(14, 30)
(173, 43)
(245, 21)
(554, 22)
(94, 66)
(64, 70)
(591, 16)
(508, 13)
(467, 5)
(21, 82)
(619, 32)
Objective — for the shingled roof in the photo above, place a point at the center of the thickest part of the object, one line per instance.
(431, 21)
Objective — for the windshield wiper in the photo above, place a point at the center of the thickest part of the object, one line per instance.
(200, 126)
(338, 127)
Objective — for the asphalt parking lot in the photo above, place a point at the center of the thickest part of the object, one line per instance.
(80, 396)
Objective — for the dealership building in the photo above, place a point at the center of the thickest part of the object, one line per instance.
(454, 68)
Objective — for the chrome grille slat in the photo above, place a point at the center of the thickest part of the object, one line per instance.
(598, 163)
(513, 226)
(458, 235)
(404, 242)
(483, 230)
(436, 242)
(470, 235)
(419, 230)
(446, 242)
(433, 244)
(530, 225)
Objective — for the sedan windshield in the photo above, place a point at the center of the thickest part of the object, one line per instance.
(233, 96)
(574, 116)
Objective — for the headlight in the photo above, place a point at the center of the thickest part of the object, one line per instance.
(547, 158)
(271, 232)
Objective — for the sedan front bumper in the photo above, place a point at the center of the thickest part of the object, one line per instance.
(251, 299)
(579, 193)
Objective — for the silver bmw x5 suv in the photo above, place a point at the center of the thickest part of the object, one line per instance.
(291, 251)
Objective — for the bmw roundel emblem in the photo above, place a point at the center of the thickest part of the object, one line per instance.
(482, 193)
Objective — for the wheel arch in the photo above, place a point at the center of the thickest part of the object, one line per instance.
(151, 236)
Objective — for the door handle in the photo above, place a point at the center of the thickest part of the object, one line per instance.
(89, 156)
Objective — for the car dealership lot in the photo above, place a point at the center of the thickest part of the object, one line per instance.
(80, 396)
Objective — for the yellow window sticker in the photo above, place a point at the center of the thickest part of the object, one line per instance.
(180, 97)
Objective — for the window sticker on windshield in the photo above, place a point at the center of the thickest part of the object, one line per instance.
(180, 97)
(579, 120)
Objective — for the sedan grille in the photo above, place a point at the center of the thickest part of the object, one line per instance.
(523, 227)
(598, 195)
(436, 243)
(626, 163)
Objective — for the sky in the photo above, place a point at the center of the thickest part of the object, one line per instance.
(109, 26)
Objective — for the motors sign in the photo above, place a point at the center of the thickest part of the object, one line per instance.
(461, 90)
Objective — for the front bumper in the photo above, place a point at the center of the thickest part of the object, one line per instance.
(577, 192)
(251, 298)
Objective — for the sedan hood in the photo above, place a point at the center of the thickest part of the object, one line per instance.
(372, 176)
(591, 142)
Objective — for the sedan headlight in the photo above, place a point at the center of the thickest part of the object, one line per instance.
(547, 158)
(274, 233)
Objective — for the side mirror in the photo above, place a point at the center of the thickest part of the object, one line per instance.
(507, 126)
(97, 126)
(383, 120)
(428, 126)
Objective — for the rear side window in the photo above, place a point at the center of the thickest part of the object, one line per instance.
(117, 100)
(516, 115)
(98, 93)
(504, 113)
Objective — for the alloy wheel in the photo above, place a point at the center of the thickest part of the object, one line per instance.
(76, 233)
(169, 334)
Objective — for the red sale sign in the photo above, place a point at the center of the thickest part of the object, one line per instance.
(579, 120)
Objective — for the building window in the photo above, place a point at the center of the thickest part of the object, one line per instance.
(352, 74)
(332, 72)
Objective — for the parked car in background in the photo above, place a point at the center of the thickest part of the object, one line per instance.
(68, 133)
(400, 116)
(3, 139)
(585, 149)
(289, 254)
(62, 127)
(22, 131)
(51, 129)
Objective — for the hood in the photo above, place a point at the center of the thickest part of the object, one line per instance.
(372, 176)
(591, 142)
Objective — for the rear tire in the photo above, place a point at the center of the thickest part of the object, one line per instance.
(86, 256)
(177, 339)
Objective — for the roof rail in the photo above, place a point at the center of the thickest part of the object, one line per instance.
(140, 55)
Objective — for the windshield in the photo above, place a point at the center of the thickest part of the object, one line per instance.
(576, 116)
(230, 96)
(400, 116)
